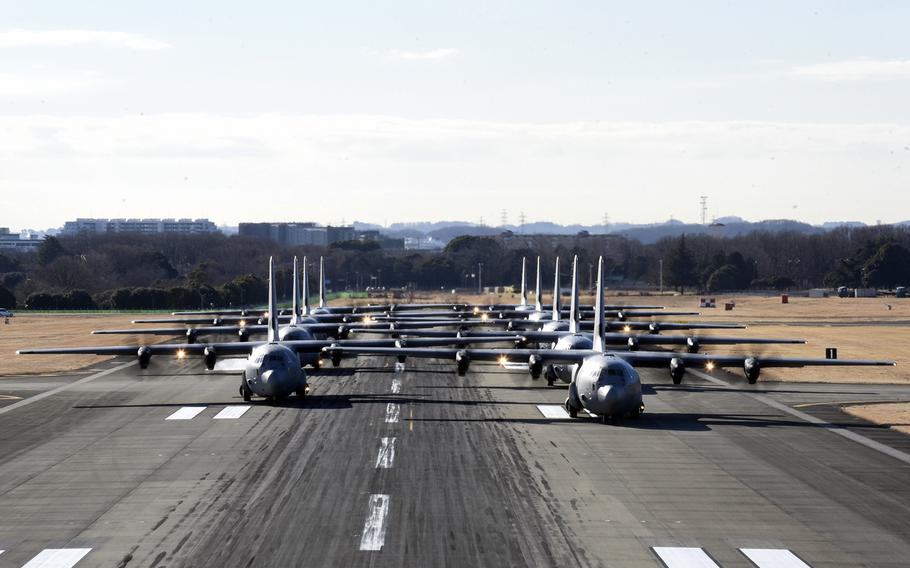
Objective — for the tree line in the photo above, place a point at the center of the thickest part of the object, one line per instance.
(132, 271)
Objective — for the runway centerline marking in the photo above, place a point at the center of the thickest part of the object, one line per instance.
(392, 412)
(553, 411)
(374, 528)
(57, 558)
(186, 413)
(61, 388)
(386, 455)
(849, 434)
(396, 386)
(773, 558)
(679, 557)
(231, 412)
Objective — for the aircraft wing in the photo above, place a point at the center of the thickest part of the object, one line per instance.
(662, 359)
(155, 349)
(494, 355)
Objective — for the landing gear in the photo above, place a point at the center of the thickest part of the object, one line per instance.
(573, 412)
(637, 412)
(303, 391)
(550, 375)
(316, 364)
(245, 391)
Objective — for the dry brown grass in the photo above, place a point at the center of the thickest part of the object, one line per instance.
(893, 414)
(28, 331)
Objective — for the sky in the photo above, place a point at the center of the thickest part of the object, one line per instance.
(423, 111)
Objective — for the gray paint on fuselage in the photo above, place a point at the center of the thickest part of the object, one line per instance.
(575, 342)
(606, 386)
(274, 371)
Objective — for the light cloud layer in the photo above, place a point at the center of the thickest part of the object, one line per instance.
(72, 38)
(856, 70)
(14, 85)
(377, 168)
(423, 55)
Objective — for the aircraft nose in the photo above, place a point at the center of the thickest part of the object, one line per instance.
(608, 397)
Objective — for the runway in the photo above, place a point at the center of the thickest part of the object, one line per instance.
(413, 466)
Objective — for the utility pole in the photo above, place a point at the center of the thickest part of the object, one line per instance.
(704, 209)
(479, 277)
(590, 276)
(661, 263)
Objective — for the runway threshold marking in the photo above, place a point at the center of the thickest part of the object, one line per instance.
(392, 412)
(231, 412)
(773, 558)
(62, 388)
(849, 434)
(186, 413)
(386, 455)
(680, 557)
(374, 528)
(57, 558)
(554, 411)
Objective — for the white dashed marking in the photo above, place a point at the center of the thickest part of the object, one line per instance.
(374, 529)
(392, 412)
(57, 558)
(674, 557)
(231, 412)
(186, 413)
(396, 386)
(553, 411)
(386, 455)
(773, 558)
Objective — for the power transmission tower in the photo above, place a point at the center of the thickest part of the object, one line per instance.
(481, 222)
(606, 222)
(503, 218)
(704, 209)
(521, 222)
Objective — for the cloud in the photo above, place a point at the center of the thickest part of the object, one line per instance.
(855, 70)
(423, 55)
(374, 167)
(29, 86)
(71, 38)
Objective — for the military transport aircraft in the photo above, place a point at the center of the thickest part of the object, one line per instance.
(273, 368)
(604, 383)
(566, 335)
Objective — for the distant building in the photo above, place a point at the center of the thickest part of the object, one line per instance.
(15, 241)
(145, 226)
(297, 234)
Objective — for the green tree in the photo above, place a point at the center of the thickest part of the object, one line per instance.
(49, 250)
(888, 267)
(7, 299)
(681, 265)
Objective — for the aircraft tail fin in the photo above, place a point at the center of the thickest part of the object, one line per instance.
(524, 283)
(557, 301)
(273, 303)
(538, 305)
(305, 289)
(321, 282)
(573, 303)
(295, 290)
(599, 308)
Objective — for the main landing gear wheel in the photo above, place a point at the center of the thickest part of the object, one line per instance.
(245, 391)
(637, 412)
(302, 392)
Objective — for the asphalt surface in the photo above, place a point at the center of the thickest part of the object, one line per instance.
(414, 466)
